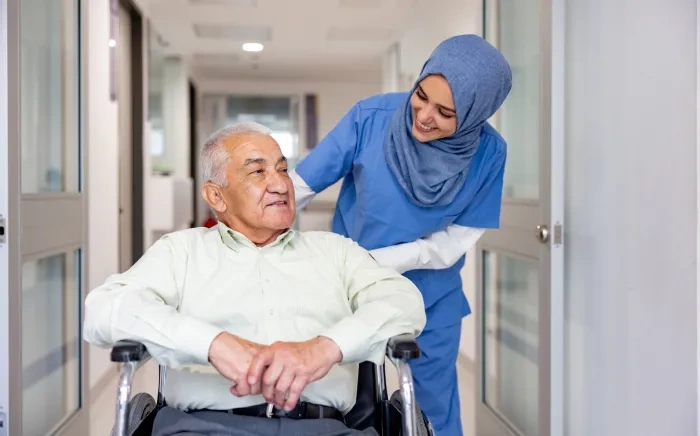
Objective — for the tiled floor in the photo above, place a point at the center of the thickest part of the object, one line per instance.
(146, 380)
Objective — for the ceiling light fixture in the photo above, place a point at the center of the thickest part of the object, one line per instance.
(253, 46)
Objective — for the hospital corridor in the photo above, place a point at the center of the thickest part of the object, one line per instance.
(498, 199)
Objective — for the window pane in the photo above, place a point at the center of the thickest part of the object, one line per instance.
(511, 340)
(514, 27)
(50, 342)
(49, 95)
(156, 67)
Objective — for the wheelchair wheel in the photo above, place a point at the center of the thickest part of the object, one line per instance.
(139, 407)
(423, 426)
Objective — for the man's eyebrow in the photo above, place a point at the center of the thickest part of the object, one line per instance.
(256, 161)
(261, 161)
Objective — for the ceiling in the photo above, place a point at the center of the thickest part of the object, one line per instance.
(304, 39)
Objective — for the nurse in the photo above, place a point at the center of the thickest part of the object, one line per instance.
(423, 175)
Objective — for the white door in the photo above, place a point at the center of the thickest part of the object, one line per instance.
(519, 267)
(43, 371)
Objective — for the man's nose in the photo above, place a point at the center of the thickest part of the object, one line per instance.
(277, 183)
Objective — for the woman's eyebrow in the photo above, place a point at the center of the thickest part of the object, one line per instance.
(436, 104)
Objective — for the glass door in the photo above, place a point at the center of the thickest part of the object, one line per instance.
(519, 267)
(43, 222)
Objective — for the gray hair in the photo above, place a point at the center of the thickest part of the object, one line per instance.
(214, 156)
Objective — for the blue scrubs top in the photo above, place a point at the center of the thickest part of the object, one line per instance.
(374, 211)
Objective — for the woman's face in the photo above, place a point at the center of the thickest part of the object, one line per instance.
(433, 109)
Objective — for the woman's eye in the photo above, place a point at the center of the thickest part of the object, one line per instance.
(446, 115)
(421, 96)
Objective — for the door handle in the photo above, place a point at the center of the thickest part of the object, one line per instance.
(542, 233)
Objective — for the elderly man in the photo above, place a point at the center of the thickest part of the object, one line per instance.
(251, 312)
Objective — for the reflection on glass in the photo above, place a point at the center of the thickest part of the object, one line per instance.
(50, 342)
(514, 26)
(511, 340)
(156, 79)
(49, 71)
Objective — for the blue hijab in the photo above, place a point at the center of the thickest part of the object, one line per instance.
(433, 173)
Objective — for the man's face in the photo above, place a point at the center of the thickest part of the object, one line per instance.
(258, 200)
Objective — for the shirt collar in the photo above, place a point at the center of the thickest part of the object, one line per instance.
(235, 240)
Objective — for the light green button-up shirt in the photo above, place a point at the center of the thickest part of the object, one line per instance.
(193, 284)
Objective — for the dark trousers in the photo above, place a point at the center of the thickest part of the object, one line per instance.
(174, 422)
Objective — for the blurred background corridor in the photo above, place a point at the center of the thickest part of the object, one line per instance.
(585, 301)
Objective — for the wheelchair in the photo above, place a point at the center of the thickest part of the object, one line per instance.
(395, 416)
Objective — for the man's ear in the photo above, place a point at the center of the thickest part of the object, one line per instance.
(213, 196)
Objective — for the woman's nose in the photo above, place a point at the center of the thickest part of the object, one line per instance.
(425, 115)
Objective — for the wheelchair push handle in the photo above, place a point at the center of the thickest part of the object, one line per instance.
(403, 347)
(129, 351)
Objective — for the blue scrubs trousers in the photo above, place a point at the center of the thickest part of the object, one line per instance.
(435, 379)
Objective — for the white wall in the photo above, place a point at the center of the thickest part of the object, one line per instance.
(631, 213)
(420, 38)
(103, 168)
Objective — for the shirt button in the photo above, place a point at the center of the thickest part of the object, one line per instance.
(271, 311)
(267, 280)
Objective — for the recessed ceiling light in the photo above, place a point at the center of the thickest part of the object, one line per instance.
(253, 46)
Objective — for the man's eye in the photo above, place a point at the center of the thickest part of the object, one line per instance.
(258, 172)
(285, 170)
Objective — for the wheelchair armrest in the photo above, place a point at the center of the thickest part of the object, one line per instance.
(129, 351)
(403, 347)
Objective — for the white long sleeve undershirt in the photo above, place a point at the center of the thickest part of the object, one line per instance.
(438, 250)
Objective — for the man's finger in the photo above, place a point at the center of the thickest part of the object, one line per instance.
(279, 399)
(283, 383)
(256, 389)
(257, 366)
(294, 392)
(272, 374)
(241, 389)
(269, 380)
